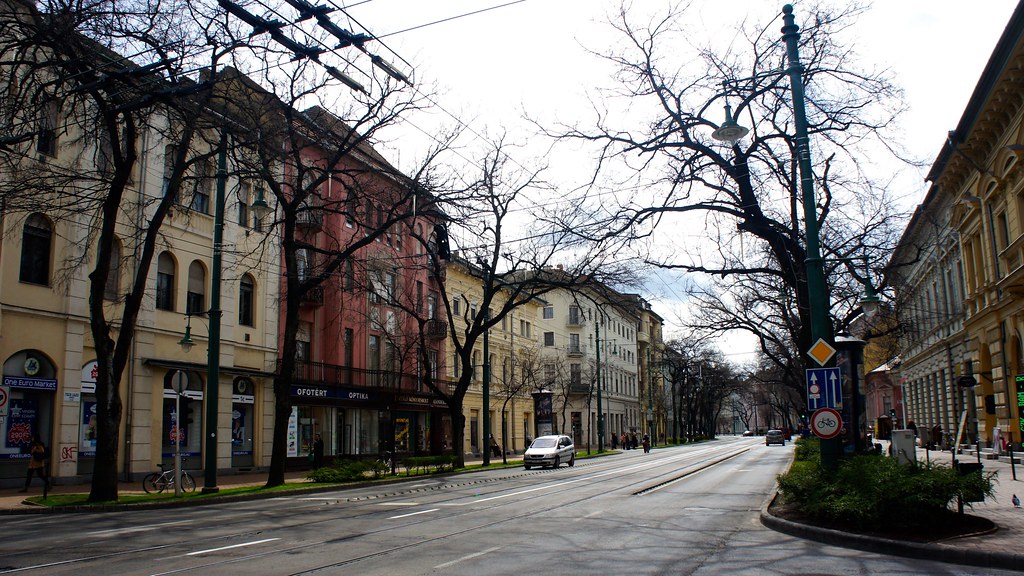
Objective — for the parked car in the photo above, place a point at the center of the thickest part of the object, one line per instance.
(748, 433)
(550, 451)
(774, 437)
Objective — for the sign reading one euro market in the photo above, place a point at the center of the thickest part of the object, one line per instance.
(32, 383)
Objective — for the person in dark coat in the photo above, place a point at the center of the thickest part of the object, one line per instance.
(37, 465)
(318, 451)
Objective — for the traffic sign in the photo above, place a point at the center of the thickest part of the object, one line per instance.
(5, 396)
(826, 423)
(824, 388)
(822, 352)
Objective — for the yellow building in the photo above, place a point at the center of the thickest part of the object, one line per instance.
(512, 347)
(45, 340)
(980, 167)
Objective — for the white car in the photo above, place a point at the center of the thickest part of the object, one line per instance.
(550, 451)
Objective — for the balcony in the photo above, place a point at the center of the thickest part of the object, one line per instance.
(333, 375)
(309, 218)
(314, 296)
(579, 388)
(575, 350)
(436, 329)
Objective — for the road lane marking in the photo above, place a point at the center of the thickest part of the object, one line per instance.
(413, 514)
(211, 550)
(147, 527)
(467, 557)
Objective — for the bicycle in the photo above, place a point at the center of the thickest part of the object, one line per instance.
(157, 482)
(385, 463)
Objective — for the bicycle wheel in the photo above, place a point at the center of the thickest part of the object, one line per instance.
(154, 483)
(188, 484)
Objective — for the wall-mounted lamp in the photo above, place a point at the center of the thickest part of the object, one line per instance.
(186, 342)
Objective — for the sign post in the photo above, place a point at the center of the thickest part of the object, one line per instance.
(179, 382)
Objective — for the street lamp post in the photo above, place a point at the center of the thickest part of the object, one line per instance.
(817, 294)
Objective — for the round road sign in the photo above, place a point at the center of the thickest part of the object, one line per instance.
(826, 423)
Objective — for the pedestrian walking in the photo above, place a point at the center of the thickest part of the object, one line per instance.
(615, 441)
(318, 451)
(647, 444)
(37, 464)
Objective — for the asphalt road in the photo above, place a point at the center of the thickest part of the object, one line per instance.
(691, 510)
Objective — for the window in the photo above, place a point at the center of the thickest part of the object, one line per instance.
(524, 328)
(575, 374)
(373, 358)
(390, 286)
(257, 224)
(574, 344)
(419, 297)
(244, 197)
(48, 118)
(575, 318)
(549, 374)
(111, 289)
(432, 359)
(246, 292)
(457, 306)
(35, 250)
(165, 282)
(432, 306)
(350, 277)
(302, 350)
(549, 338)
(195, 296)
(549, 312)
(472, 311)
(169, 155)
(201, 193)
(301, 263)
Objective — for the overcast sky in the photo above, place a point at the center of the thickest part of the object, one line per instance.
(530, 56)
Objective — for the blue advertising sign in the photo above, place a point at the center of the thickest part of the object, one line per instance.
(824, 388)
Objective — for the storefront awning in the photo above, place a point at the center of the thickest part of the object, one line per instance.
(197, 367)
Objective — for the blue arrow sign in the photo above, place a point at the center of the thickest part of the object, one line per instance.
(824, 388)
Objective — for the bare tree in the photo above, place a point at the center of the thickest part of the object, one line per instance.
(71, 94)
(745, 195)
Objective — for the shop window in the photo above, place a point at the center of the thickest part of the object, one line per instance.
(189, 427)
(36, 239)
(246, 295)
(165, 282)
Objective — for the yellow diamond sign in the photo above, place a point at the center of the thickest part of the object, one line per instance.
(821, 352)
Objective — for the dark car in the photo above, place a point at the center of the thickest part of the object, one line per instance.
(774, 437)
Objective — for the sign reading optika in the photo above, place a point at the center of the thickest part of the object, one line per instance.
(330, 393)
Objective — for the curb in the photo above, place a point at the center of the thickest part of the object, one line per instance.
(917, 550)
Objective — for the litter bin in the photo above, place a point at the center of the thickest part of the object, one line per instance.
(966, 468)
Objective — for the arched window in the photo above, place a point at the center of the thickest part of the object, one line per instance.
(165, 282)
(35, 250)
(111, 291)
(195, 297)
(246, 295)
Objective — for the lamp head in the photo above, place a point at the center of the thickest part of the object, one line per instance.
(729, 131)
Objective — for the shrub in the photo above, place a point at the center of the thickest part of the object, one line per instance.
(869, 491)
(429, 464)
(345, 471)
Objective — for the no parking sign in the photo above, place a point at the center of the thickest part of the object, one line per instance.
(5, 394)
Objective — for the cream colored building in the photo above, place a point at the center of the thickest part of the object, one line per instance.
(512, 347)
(45, 339)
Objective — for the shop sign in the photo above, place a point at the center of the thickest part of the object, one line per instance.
(31, 383)
(243, 398)
(421, 400)
(321, 393)
(90, 372)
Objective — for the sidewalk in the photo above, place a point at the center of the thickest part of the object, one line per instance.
(996, 550)
(11, 500)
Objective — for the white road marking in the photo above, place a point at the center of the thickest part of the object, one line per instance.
(146, 528)
(594, 513)
(475, 555)
(413, 513)
(198, 552)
